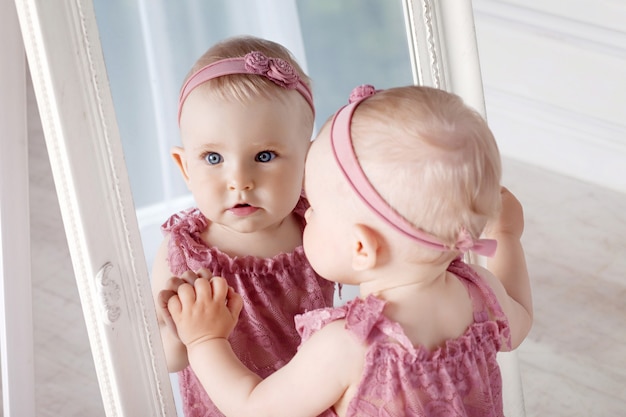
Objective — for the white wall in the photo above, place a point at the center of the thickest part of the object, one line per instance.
(554, 74)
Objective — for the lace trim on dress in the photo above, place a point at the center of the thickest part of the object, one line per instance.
(365, 320)
(460, 378)
(188, 250)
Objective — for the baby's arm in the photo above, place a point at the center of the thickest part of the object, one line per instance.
(315, 379)
(175, 350)
(509, 266)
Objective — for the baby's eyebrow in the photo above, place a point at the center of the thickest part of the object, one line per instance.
(270, 143)
(208, 146)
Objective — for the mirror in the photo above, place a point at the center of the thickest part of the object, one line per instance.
(78, 111)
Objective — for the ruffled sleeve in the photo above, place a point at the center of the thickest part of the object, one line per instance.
(312, 321)
(184, 229)
(364, 319)
(363, 316)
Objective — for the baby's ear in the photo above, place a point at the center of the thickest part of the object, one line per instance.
(366, 244)
(178, 155)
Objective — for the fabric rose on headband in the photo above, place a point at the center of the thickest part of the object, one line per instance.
(361, 92)
(278, 70)
(256, 62)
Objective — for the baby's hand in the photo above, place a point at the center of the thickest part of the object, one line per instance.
(511, 218)
(206, 310)
(171, 289)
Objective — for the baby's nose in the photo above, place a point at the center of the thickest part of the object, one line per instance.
(241, 179)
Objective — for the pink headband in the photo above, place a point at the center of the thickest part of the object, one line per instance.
(277, 70)
(341, 142)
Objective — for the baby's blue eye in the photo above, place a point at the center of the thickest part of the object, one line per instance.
(265, 156)
(213, 158)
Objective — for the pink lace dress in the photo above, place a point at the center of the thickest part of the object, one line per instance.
(461, 378)
(274, 291)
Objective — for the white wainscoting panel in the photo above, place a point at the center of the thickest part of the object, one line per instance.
(555, 84)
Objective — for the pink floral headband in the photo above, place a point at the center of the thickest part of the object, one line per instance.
(278, 70)
(341, 143)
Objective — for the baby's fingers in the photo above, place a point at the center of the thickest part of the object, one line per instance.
(204, 273)
(174, 307)
(173, 283)
(234, 302)
(162, 304)
(219, 287)
(187, 293)
(189, 277)
(220, 295)
(163, 298)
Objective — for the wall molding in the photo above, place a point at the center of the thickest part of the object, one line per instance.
(552, 79)
(561, 141)
(579, 25)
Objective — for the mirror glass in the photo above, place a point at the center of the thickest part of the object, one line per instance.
(149, 48)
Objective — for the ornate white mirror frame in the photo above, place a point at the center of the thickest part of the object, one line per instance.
(67, 67)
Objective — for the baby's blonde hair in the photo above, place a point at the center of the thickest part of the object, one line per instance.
(431, 157)
(247, 87)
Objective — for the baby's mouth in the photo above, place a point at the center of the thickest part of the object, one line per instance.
(243, 209)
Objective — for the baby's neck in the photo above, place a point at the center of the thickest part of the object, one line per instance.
(266, 243)
(403, 277)
(431, 308)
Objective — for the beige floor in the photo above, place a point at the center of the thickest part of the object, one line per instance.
(572, 364)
